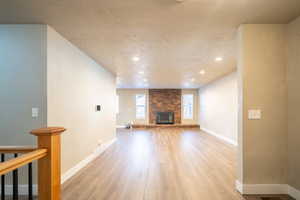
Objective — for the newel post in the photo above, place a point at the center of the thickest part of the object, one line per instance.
(49, 167)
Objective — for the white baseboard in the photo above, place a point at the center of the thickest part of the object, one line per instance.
(268, 189)
(239, 187)
(293, 192)
(22, 189)
(230, 141)
(265, 189)
(71, 172)
(121, 126)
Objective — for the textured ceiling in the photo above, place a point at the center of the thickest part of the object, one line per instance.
(174, 40)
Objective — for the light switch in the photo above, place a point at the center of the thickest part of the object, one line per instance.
(98, 108)
(254, 114)
(34, 112)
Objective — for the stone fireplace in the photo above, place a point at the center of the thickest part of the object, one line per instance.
(163, 101)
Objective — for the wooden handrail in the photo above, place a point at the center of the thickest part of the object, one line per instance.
(15, 163)
(17, 149)
(48, 155)
(49, 174)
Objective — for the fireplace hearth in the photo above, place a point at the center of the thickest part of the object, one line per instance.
(165, 118)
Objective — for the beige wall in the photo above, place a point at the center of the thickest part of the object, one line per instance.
(76, 84)
(262, 67)
(218, 107)
(127, 106)
(196, 105)
(293, 103)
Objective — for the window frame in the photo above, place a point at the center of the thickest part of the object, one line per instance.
(191, 116)
(118, 104)
(144, 105)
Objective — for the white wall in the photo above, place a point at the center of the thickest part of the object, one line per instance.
(127, 106)
(76, 84)
(218, 107)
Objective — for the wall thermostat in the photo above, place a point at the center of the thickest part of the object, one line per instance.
(98, 108)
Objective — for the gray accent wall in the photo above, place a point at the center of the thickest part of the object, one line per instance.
(22, 82)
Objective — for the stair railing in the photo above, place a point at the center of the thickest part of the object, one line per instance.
(47, 154)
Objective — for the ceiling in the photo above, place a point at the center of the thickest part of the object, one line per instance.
(173, 40)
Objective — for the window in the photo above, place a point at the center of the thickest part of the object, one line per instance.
(117, 103)
(140, 102)
(188, 106)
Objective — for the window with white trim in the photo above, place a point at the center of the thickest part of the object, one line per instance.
(117, 103)
(188, 106)
(140, 105)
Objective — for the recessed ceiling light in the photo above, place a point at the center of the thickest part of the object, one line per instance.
(202, 72)
(135, 58)
(186, 84)
(141, 72)
(219, 59)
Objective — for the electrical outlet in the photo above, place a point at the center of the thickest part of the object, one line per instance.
(254, 114)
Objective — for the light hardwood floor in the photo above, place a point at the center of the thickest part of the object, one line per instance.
(159, 164)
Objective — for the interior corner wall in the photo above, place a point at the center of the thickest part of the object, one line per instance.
(218, 107)
(240, 157)
(293, 76)
(262, 67)
(75, 85)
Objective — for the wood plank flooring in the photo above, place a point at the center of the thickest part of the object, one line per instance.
(159, 164)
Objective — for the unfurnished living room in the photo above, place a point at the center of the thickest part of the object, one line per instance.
(149, 99)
